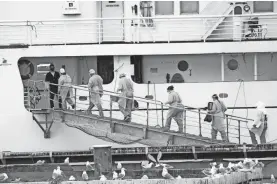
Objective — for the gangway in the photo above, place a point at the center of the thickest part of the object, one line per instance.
(110, 128)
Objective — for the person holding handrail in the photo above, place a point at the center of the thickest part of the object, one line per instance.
(95, 87)
(125, 102)
(51, 84)
(175, 110)
(65, 89)
(218, 115)
(259, 126)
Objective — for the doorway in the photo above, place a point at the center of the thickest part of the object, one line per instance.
(137, 62)
(105, 68)
(112, 30)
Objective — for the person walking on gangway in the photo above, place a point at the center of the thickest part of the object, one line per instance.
(65, 89)
(175, 110)
(125, 102)
(259, 127)
(51, 83)
(218, 115)
(95, 87)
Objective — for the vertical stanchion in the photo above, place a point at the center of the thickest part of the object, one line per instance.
(200, 126)
(239, 130)
(227, 127)
(147, 113)
(162, 114)
(75, 99)
(185, 121)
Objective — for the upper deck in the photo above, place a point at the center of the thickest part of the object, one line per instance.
(132, 22)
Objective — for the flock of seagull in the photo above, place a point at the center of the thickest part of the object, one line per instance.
(216, 170)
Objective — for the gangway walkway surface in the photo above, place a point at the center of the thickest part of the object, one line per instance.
(115, 130)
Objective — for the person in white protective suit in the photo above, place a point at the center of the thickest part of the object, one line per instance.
(125, 102)
(95, 87)
(65, 89)
(218, 115)
(259, 126)
(175, 110)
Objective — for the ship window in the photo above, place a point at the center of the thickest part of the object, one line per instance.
(189, 7)
(263, 6)
(164, 7)
(146, 11)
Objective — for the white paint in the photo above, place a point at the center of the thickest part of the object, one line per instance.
(255, 67)
(145, 49)
(222, 67)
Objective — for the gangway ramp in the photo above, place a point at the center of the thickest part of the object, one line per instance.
(147, 124)
(115, 130)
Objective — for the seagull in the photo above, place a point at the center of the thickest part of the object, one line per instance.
(210, 172)
(3, 177)
(89, 166)
(122, 174)
(221, 169)
(213, 164)
(72, 178)
(146, 164)
(66, 161)
(55, 174)
(166, 175)
(40, 162)
(85, 176)
(272, 179)
(159, 156)
(103, 178)
(144, 177)
(17, 180)
(115, 175)
(59, 171)
(119, 165)
(178, 177)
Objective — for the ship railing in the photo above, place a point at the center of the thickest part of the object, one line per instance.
(150, 112)
(199, 28)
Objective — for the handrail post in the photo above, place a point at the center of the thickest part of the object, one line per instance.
(162, 114)
(239, 130)
(147, 112)
(111, 107)
(200, 126)
(75, 99)
(185, 121)
(227, 127)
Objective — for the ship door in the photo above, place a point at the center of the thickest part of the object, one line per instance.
(237, 24)
(105, 68)
(113, 30)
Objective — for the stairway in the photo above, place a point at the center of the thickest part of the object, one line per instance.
(115, 130)
(215, 8)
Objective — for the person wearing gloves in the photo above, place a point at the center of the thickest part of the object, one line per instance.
(175, 110)
(218, 115)
(65, 89)
(259, 127)
(95, 87)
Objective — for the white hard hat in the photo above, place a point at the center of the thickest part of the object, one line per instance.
(91, 71)
(62, 70)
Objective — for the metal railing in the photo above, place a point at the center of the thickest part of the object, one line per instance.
(164, 29)
(151, 113)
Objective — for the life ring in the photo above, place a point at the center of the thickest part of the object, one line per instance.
(30, 66)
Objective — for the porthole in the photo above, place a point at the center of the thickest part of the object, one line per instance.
(183, 65)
